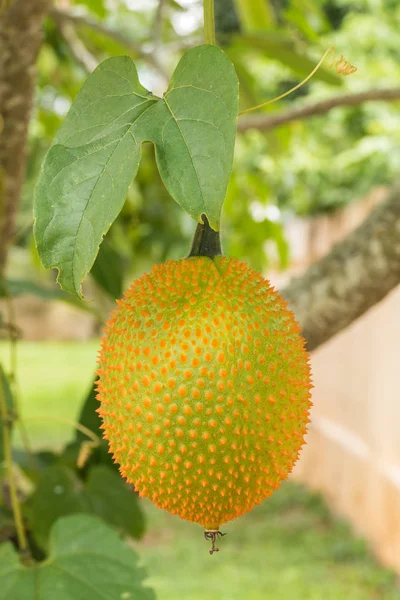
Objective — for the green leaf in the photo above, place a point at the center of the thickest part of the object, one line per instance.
(87, 561)
(8, 397)
(255, 15)
(57, 495)
(86, 173)
(114, 501)
(105, 494)
(194, 128)
(90, 419)
(108, 271)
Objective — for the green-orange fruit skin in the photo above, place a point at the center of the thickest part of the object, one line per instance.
(204, 385)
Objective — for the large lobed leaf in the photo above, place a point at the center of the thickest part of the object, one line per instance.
(194, 128)
(87, 171)
(87, 561)
(96, 154)
(59, 493)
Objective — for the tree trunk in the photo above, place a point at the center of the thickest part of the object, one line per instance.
(357, 274)
(20, 39)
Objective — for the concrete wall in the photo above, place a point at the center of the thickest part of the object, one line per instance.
(353, 446)
(352, 454)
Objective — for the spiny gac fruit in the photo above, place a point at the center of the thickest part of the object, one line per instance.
(204, 385)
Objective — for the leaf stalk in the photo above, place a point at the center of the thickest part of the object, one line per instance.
(209, 22)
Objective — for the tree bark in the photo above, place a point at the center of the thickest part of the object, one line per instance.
(20, 39)
(353, 277)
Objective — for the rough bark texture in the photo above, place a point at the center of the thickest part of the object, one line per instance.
(357, 274)
(20, 38)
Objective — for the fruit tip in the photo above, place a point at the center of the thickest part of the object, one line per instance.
(212, 535)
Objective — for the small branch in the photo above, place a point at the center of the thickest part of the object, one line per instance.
(76, 46)
(357, 274)
(157, 26)
(118, 36)
(209, 22)
(266, 122)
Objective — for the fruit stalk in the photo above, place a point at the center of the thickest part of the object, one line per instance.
(206, 241)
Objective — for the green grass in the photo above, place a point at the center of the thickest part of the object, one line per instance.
(53, 378)
(289, 548)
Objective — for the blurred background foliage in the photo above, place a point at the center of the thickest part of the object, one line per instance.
(303, 167)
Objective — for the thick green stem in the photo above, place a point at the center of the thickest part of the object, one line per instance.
(206, 241)
(16, 508)
(209, 22)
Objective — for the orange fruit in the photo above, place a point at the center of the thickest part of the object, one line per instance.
(204, 388)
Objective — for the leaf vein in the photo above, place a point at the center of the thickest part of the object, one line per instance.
(188, 150)
(84, 582)
(109, 125)
(127, 80)
(181, 87)
(206, 123)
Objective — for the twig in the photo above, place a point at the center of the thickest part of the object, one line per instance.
(76, 46)
(266, 122)
(118, 36)
(157, 26)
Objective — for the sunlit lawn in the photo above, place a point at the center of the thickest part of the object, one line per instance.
(290, 548)
(53, 378)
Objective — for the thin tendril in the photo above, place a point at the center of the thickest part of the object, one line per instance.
(342, 66)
